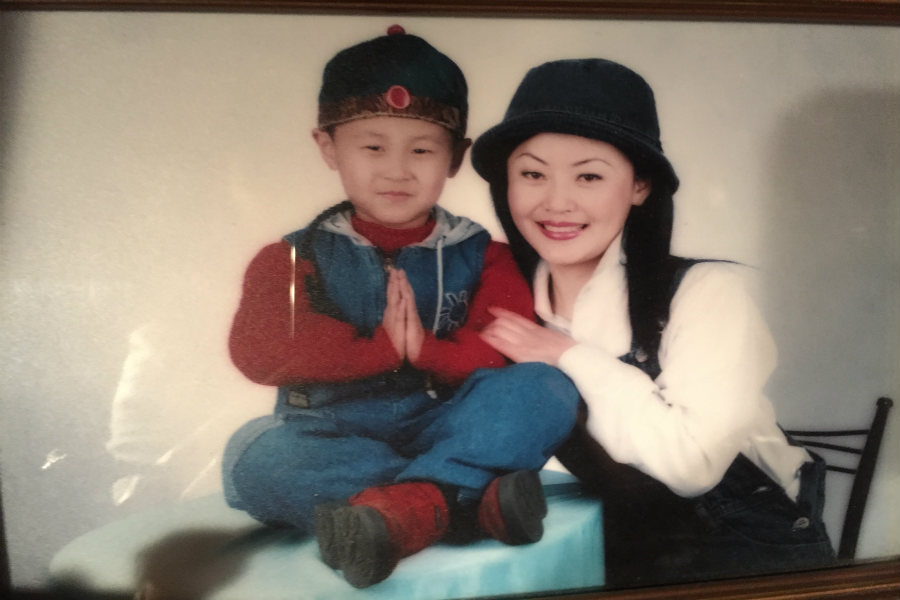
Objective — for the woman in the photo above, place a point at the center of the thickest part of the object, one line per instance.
(669, 355)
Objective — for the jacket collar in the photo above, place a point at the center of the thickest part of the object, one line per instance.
(448, 230)
(600, 316)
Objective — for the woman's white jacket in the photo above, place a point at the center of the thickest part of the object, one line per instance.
(685, 427)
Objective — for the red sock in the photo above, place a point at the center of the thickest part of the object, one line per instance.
(415, 513)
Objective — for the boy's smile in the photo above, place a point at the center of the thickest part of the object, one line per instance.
(393, 169)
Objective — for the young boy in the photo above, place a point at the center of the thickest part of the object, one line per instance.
(368, 322)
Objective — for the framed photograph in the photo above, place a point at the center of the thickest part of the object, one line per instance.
(151, 148)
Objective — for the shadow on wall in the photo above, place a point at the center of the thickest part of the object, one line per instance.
(832, 270)
(833, 248)
(11, 39)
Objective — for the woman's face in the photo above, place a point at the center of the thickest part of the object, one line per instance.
(569, 196)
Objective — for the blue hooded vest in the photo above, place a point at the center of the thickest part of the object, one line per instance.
(444, 270)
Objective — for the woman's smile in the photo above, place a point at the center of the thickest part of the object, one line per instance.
(561, 231)
(570, 196)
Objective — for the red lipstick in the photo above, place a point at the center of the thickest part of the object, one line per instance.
(561, 231)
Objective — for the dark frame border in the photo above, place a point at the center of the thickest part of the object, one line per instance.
(871, 12)
(879, 579)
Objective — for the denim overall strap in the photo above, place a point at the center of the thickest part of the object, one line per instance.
(581, 453)
(638, 357)
(742, 476)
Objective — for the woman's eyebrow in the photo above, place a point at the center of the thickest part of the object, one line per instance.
(589, 160)
(526, 153)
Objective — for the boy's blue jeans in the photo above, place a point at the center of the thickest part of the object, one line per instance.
(278, 467)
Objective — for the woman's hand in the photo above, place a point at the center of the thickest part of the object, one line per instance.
(523, 340)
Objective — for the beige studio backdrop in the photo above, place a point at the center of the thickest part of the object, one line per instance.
(148, 156)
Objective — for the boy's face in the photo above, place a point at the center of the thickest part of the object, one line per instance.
(392, 168)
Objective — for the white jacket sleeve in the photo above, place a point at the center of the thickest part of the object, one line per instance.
(686, 427)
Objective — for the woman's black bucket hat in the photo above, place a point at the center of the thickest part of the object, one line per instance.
(593, 98)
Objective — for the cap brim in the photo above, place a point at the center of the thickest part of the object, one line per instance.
(491, 150)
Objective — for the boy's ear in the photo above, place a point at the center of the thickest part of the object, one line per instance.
(640, 192)
(325, 143)
(459, 153)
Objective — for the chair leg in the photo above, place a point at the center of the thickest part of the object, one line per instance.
(859, 493)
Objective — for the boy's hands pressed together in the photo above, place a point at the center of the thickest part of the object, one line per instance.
(401, 320)
(394, 321)
(415, 333)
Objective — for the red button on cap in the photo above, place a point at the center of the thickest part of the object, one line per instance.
(398, 97)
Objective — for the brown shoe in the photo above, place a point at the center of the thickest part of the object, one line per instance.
(378, 527)
(513, 508)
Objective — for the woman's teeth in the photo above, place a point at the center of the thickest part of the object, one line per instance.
(562, 228)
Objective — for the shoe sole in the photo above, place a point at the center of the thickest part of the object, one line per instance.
(323, 522)
(365, 556)
(523, 506)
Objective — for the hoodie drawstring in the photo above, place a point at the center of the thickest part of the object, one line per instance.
(440, 285)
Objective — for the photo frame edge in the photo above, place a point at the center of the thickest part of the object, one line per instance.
(859, 12)
(867, 580)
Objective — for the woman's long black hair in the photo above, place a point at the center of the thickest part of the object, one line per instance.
(646, 239)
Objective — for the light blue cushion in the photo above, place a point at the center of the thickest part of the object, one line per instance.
(205, 545)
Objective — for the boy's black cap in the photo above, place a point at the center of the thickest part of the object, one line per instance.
(397, 75)
(593, 98)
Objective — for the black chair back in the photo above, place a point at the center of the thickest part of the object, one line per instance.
(862, 473)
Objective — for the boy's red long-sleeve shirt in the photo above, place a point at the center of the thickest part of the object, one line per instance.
(269, 349)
